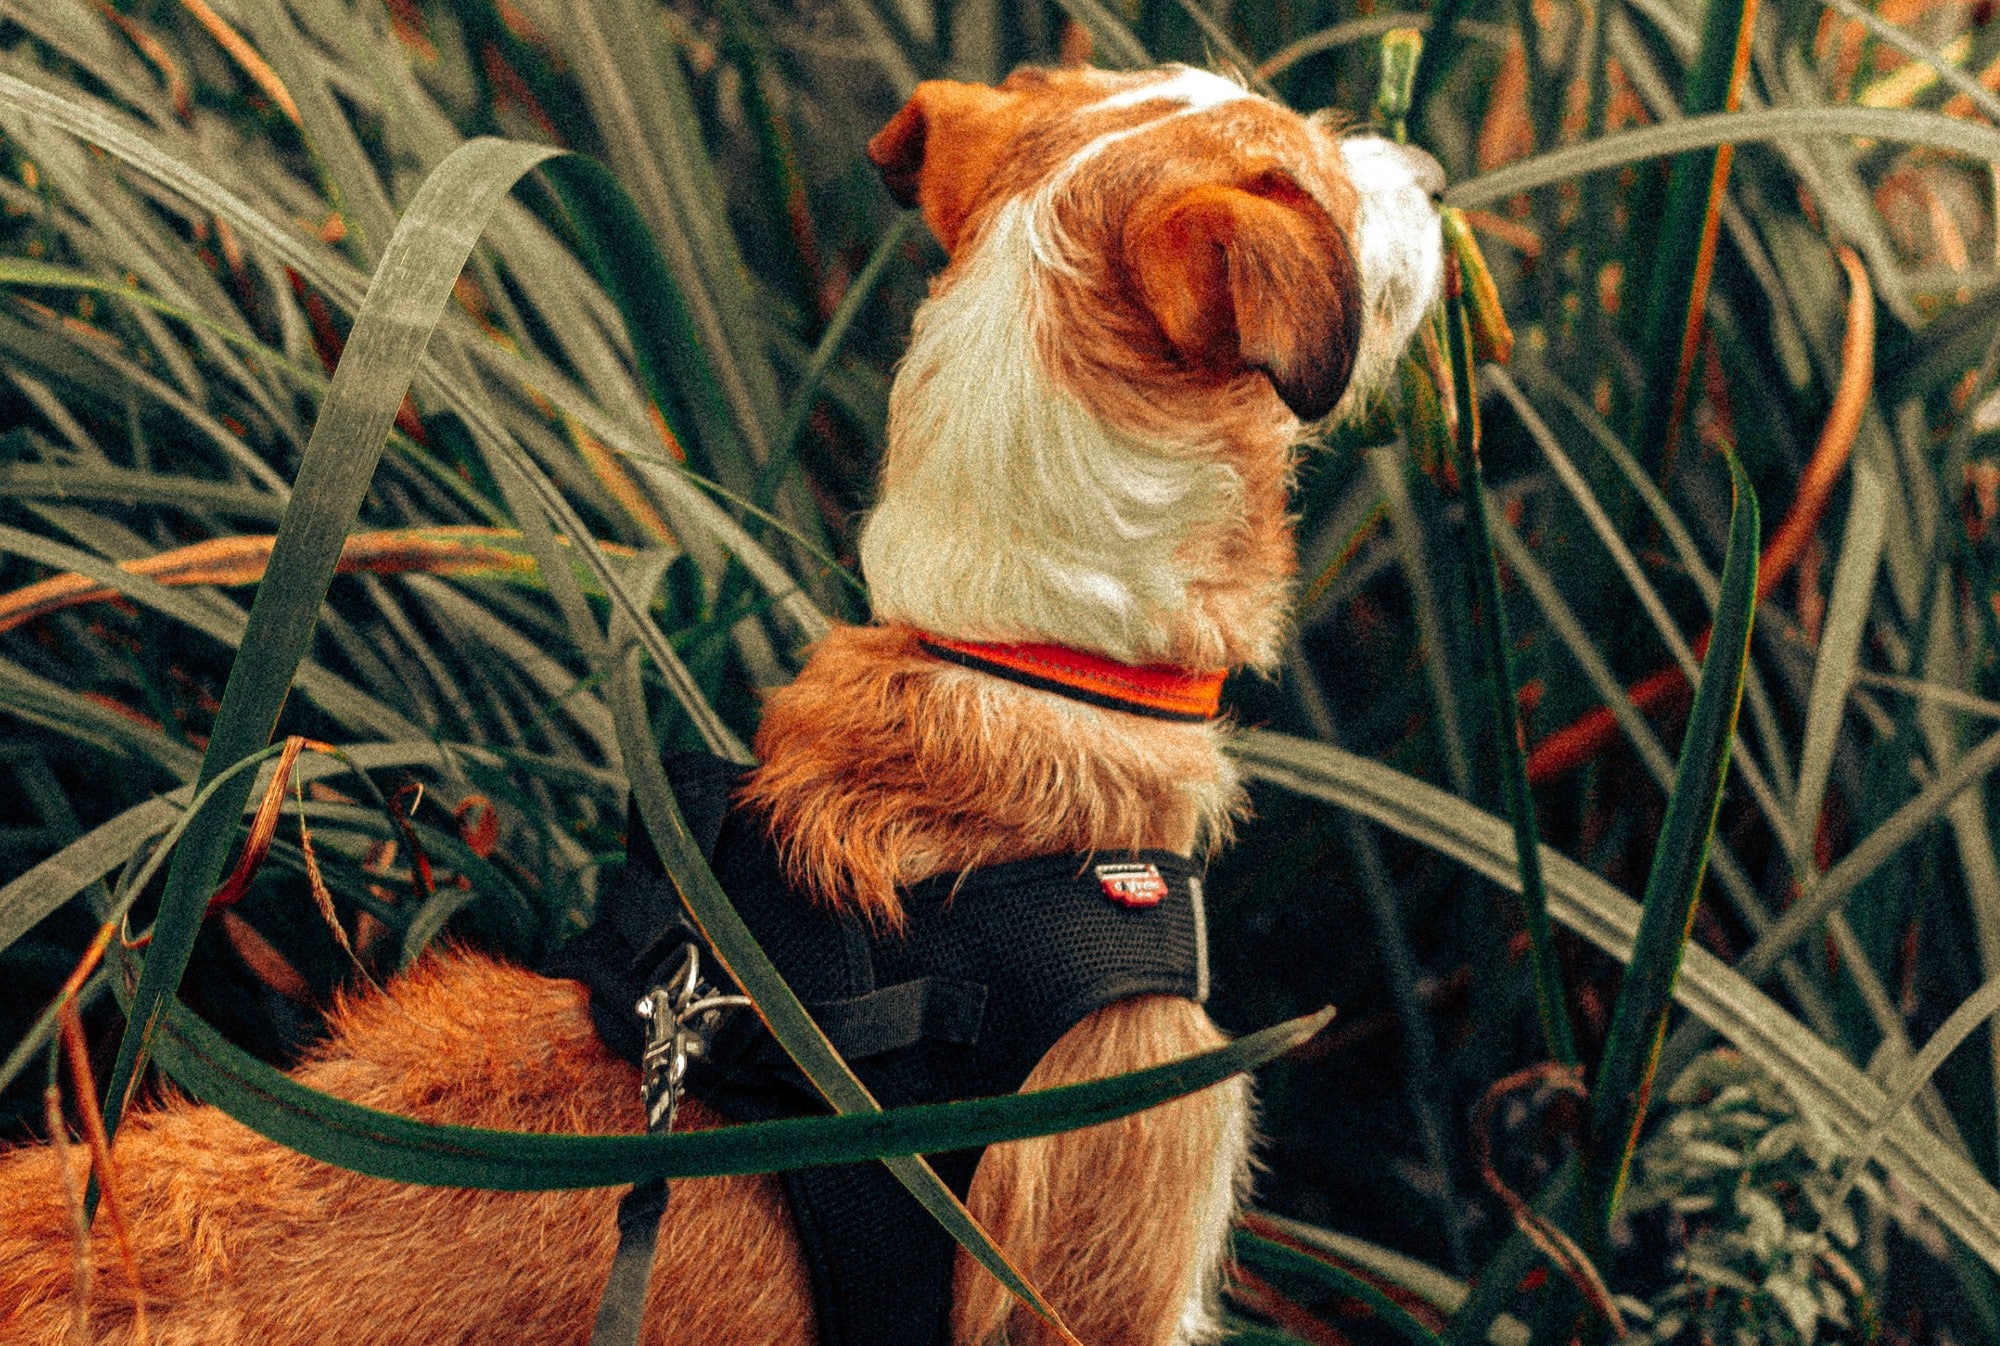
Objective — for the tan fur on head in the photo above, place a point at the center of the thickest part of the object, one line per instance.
(1156, 280)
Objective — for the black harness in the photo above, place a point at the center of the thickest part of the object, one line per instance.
(990, 969)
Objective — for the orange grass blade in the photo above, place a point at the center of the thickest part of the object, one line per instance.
(263, 827)
(1836, 438)
(79, 1295)
(1595, 730)
(78, 1057)
(1711, 229)
(463, 551)
(245, 55)
(322, 896)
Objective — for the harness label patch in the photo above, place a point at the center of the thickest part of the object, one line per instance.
(1132, 885)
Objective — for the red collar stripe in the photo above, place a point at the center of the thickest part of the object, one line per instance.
(1159, 691)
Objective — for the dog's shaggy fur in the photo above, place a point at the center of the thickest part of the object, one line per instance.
(1155, 280)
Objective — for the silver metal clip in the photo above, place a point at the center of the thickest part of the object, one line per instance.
(682, 1014)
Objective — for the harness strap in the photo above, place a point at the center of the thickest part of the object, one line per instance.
(928, 1009)
(622, 1310)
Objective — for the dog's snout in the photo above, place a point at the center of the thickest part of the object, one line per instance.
(1378, 164)
(1426, 172)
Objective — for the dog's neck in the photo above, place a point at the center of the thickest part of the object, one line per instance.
(883, 764)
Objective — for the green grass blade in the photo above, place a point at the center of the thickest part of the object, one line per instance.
(1595, 514)
(1916, 1076)
(1839, 650)
(1407, 529)
(64, 710)
(1685, 252)
(654, 138)
(784, 444)
(1421, 1279)
(346, 175)
(1897, 831)
(1960, 82)
(423, 259)
(1976, 141)
(1639, 1021)
(1374, 26)
(28, 898)
(1269, 1257)
(386, 1145)
(130, 486)
(133, 883)
(1484, 572)
(673, 361)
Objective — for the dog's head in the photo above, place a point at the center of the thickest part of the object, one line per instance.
(1156, 280)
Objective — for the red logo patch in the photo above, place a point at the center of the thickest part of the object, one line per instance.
(1132, 885)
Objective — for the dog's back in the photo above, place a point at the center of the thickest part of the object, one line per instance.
(1156, 280)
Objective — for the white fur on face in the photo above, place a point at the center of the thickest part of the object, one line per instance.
(1009, 511)
(1199, 90)
(1399, 251)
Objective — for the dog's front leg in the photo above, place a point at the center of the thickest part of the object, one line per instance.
(1123, 1226)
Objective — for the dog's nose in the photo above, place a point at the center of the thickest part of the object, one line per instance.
(1425, 171)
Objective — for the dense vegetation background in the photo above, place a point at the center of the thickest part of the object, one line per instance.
(194, 195)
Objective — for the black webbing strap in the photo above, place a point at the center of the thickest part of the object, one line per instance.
(622, 1310)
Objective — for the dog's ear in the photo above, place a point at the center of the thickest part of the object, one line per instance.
(938, 152)
(1254, 275)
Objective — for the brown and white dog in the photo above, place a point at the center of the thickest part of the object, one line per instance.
(1156, 280)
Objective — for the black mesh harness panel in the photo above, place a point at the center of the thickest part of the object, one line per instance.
(991, 968)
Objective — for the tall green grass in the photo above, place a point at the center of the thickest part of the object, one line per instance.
(231, 241)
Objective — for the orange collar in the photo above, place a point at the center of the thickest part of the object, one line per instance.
(1159, 691)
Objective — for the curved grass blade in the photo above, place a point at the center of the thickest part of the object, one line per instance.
(1839, 649)
(1705, 132)
(385, 1145)
(1377, 25)
(25, 900)
(1624, 1080)
(133, 486)
(1971, 89)
(1915, 1077)
(342, 285)
(419, 267)
(1267, 1256)
(1442, 1292)
(130, 886)
(1902, 827)
(1727, 1003)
